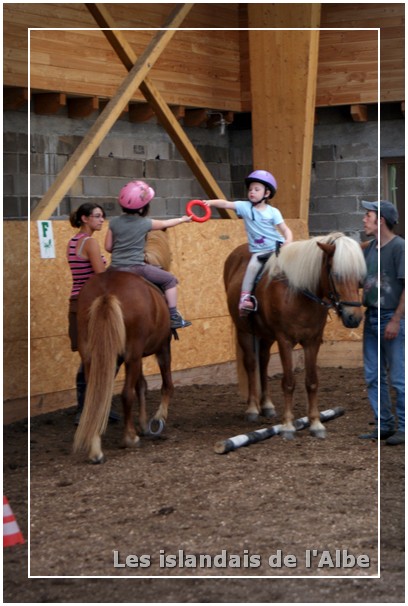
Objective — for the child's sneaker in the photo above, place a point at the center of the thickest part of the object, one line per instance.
(176, 321)
(246, 304)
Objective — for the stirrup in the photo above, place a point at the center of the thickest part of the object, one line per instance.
(248, 304)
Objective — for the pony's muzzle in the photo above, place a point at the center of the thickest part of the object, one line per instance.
(351, 317)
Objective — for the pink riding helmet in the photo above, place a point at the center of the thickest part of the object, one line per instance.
(135, 195)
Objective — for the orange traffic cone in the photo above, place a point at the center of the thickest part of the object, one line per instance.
(11, 531)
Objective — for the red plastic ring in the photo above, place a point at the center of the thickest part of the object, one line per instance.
(195, 217)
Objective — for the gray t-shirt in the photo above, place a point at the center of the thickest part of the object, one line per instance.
(392, 274)
(129, 238)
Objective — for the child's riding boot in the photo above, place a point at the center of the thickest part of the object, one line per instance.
(176, 321)
(246, 304)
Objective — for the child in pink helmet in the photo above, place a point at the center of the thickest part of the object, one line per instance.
(264, 225)
(126, 240)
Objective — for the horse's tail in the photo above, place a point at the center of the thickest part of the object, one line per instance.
(106, 340)
(241, 372)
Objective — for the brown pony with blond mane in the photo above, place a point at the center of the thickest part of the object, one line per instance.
(294, 294)
(121, 316)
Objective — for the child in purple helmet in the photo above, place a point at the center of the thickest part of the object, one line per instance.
(126, 240)
(265, 227)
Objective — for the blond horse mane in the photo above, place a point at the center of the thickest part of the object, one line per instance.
(301, 261)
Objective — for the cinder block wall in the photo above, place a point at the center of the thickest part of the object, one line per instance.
(345, 165)
(346, 169)
(130, 151)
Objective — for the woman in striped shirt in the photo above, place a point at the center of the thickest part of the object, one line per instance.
(84, 259)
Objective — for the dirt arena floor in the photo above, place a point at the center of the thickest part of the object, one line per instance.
(302, 510)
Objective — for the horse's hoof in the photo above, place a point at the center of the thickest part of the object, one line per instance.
(98, 460)
(155, 427)
(268, 413)
(318, 433)
(287, 434)
(129, 442)
(252, 417)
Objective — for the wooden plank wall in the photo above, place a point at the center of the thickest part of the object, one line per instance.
(208, 343)
(201, 69)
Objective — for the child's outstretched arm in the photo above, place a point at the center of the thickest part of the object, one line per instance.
(165, 223)
(220, 203)
(286, 232)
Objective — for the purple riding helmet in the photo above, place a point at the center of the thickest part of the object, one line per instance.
(262, 176)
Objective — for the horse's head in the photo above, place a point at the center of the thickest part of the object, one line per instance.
(344, 269)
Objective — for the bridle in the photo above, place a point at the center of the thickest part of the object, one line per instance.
(334, 300)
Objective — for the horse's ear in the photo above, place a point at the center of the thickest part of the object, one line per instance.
(327, 248)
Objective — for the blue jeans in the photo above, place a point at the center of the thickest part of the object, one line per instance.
(392, 368)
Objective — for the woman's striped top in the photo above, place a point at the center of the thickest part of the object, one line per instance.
(81, 269)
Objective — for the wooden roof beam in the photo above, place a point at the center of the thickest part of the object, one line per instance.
(90, 143)
(140, 112)
(179, 111)
(124, 114)
(82, 107)
(162, 110)
(358, 113)
(46, 104)
(14, 98)
(195, 117)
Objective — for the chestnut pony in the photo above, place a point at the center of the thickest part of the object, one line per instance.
(294, 294)
(121, 316)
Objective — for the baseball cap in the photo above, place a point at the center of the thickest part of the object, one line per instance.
(387, 210)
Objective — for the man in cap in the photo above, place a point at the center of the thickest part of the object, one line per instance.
(385, 313)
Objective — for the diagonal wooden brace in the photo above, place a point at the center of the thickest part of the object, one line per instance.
(164, 114)
(108, 117)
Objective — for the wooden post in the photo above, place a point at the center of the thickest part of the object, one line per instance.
(108, 117)
(283, 66)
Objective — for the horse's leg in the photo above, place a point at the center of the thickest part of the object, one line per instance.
(96, 455)
(133, 379)
(249, 345)
(317, 428)
(141, 390)
(288, 387)
(267, 407)
(164, 361)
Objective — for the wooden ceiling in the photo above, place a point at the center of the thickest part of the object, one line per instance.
(207, 68)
